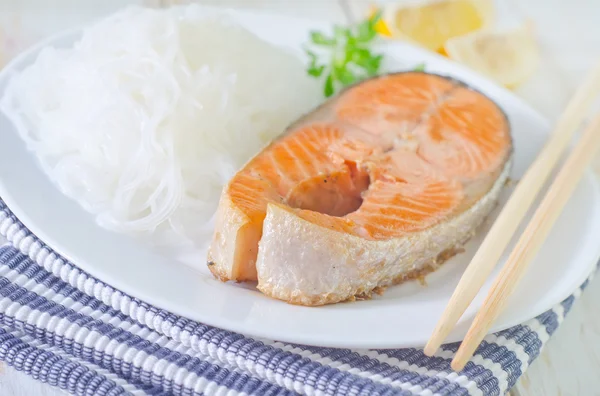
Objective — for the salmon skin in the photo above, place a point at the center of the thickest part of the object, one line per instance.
(379, 184)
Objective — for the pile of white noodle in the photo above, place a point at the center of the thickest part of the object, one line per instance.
(145, 119)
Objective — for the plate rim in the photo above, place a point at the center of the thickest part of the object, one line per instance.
(238, 326)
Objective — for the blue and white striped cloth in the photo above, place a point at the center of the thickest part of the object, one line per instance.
(63, 327)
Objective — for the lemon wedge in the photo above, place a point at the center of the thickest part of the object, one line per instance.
(431, 24)
(508, 57)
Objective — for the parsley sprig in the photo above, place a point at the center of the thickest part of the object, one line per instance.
(350, 58)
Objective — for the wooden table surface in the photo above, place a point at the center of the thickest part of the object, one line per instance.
(569, 33)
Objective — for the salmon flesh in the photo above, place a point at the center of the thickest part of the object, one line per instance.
(378, 185)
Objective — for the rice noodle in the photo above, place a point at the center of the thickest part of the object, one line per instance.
(145, 119)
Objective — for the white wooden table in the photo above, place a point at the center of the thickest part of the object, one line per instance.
(569, 33)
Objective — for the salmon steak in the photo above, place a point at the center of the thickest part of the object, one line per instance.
(379, 184)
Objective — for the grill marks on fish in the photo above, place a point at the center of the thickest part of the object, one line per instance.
(389, 157)
(394, 209)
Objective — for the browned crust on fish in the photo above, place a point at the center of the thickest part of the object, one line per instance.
(214, 269)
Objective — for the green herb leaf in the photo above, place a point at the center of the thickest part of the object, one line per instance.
(320, 39)
(346, 77)
(375, 19)
(373, 65)
(361, 56)
(420, 67)
(328, 89)
(316, 71)
(364, 32)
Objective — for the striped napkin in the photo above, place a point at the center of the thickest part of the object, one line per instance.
(62, 326)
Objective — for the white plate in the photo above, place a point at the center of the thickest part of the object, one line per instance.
(404, 316)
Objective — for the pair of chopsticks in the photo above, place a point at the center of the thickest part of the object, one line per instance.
(511, 216)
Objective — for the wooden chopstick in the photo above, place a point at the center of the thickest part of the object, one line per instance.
(514, 210)
(531, 240)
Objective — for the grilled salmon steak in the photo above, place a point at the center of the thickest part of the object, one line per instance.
(378, 185)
